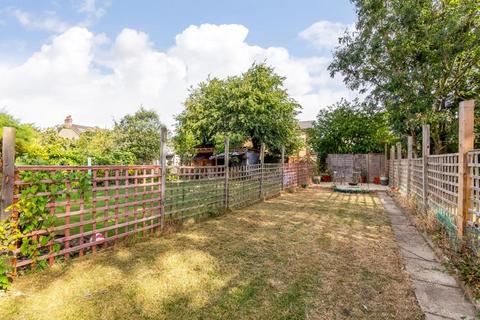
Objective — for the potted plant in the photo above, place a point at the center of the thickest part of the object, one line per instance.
(363, 177)
(326, 176)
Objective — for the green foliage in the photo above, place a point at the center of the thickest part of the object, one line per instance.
(26, 134)
(417, 59)
(102, 146)
(349, 128)
(52, 149)
(33, 225)
(253, 106)
(139, 134)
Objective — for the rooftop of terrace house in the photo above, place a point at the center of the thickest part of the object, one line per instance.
(72, 130)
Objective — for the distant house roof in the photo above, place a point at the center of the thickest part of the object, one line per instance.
(69, 125)
(307, 124)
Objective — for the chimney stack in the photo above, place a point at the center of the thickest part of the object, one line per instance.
(68, 122)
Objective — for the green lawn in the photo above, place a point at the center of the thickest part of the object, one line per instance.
(313, 254)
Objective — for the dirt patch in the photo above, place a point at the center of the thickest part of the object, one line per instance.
(313, 254)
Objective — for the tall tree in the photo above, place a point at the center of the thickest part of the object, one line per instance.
(254, 106)
(139, 134)
(417, 58)
(349, 128)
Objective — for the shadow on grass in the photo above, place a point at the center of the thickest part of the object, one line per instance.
(302, 255)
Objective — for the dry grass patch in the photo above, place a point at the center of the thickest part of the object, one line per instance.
(308, 255)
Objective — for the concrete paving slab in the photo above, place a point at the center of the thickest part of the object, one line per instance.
(437, 292)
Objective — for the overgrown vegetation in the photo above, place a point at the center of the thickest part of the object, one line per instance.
(288, 258)
(462, 256)
(31, 229)
(134, 139)
(416, 60)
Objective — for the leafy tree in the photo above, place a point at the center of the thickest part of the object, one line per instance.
(26, 134)
(53, 149)
(254, 107)
(417, 59)
(101, 146)
(139, 134)
(349, 128)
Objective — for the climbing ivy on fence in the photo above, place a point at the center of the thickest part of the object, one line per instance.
(32, 227)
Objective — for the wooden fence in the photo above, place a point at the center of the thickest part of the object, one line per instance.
(122, 201)
(448, 185)
(368, 165)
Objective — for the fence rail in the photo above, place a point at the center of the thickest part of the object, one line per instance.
(122, 201)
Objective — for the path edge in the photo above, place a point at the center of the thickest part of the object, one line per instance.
(438, 253)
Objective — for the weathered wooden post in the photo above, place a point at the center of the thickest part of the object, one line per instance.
(262, 159)
(425, 154)
(409, 163)
(163, 171)
(227, 158)
(283, 164)
(392, 166)
(465, 144)
(385, 161)
(399, 167)
(8, 169)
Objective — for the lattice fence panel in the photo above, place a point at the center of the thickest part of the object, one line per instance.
(126, 200)
(416, 179)
(443, 186)
(121, 201)
(272, 179)
(193, 191)
(244, 185)
(473, 223)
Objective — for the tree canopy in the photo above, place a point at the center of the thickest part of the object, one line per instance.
(417, 59)
(349, 128)
(139, 134)
(254, 107)
(26, 134)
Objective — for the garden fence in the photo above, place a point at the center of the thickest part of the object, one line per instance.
(448, 185)
(94, 206)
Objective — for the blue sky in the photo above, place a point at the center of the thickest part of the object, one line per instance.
(108, 57)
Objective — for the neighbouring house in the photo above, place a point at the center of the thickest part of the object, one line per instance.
(305, 153)
(70, 130)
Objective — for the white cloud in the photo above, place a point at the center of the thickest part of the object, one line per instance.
(48, 21)
(94, 78)
(93, 9)
(325, 34)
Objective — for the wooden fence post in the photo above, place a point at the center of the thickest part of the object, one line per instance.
(425, 154)
(283, 164)
(227, 156)
(399, 167)
(262, 159)
(8, 170)
(385, 162)
(465, 144)
(163, 168)
(409, 161)
(392, 166)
